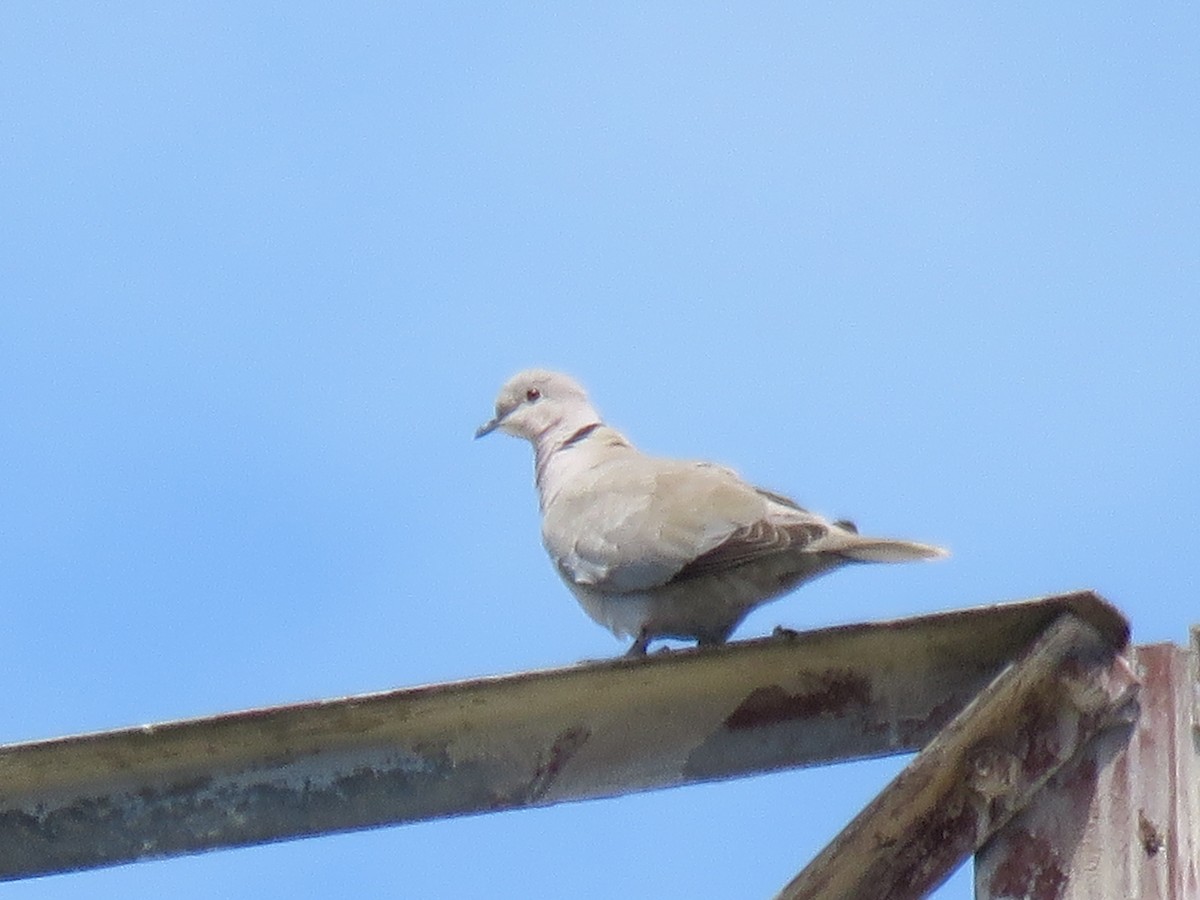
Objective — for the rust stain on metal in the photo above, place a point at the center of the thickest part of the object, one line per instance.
(1082, 778)
(1038, 735)
(1151, 840)
(836, 692)
(1031, 869)
(920, 863)
(913, 730)
(564, 747)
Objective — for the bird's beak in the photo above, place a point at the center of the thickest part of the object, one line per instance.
(488, 427)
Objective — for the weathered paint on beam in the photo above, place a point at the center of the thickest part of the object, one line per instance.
(980, 770)
(1123, 818)
(501, 743)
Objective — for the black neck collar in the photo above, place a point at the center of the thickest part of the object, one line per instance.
(579, 435)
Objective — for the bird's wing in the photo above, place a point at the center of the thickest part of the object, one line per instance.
(752, 542)
(644, 522)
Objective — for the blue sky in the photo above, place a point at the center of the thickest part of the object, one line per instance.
(264, 268)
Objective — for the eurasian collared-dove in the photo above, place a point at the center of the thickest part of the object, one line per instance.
(663, 548)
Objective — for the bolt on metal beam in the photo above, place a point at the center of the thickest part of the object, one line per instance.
(490, 744)
(978, 772)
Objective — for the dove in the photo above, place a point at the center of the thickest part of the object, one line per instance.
(656, 548)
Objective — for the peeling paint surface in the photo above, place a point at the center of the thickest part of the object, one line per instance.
(833, 693)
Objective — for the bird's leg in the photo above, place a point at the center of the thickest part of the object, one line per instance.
(638, 648)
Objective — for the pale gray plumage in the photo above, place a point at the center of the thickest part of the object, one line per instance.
(656, 548)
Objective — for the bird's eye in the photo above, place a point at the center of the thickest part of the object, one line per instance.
(532, 394)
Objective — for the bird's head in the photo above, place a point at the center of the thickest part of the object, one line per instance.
(536, 403)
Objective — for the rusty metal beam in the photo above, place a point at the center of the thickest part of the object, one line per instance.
(490, 744)
(981, 769)
(1122, 819)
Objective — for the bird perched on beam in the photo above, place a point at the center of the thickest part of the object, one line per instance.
(663, 548)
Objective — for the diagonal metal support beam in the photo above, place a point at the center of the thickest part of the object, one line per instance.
(491, 744)
(981, 770)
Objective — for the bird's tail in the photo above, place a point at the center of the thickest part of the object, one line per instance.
(885, 550)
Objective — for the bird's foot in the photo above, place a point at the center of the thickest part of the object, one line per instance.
(784, 634)
(638, 648)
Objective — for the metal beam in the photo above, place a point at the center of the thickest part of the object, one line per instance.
(1123, 818)
(490, 744)
(981, 769)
